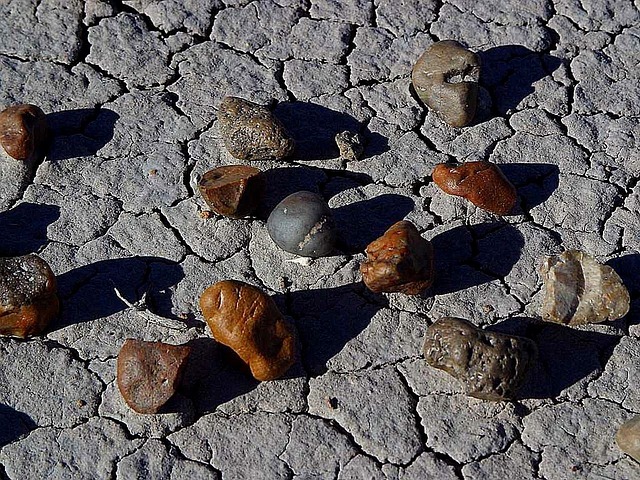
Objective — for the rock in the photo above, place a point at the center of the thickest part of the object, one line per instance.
(28, 300)
(247, 320)
(445, 77)
(482, 183)
(148, 373)
(233, 190)
(628, 438)
(303, 224)
(492, 366)
(580, 290)
(24, 133)
(251, 132)
(350, 145)
(399, 261)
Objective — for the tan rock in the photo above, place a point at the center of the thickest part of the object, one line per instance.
(628, 438)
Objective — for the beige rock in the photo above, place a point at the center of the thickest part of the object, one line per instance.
(628, 438)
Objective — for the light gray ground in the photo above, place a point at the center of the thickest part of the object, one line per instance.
(131, 89)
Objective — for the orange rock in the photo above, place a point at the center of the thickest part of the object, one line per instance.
(23, 131)
(247, 320)
(482, 183)
(233, 190)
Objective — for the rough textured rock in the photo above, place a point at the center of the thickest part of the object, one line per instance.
(628, 438)
(149, 373)
(24, 133)
(251, 132)
(247, 320)
(492, 366)
(399, 261)
(445, 78)
(580, 290)
(233, 190)
(350, 145)
(28, 296)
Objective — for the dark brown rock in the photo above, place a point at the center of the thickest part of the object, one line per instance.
(28, 300)
(399, 261)
(445, 77)
(350, 145)
(247, 320)
(251, 131)
(233, 190)
(492, 366)
(628, 438)
(482, 183)
(579, 290)
(23, 131)
(148, 373)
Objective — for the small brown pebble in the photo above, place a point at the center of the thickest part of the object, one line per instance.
(233, 191)
(332, 402)
(148, 373)
(153, 172)
(28, 300)
(247, 320)
(399, 261)
(628, 438)
(350, 145)
(23, 131)
(482, 183)
(205, 214)
(81, 403)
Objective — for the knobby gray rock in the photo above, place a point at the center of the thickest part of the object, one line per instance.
(628, 438)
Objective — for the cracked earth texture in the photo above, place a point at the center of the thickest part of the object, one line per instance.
(131, 89)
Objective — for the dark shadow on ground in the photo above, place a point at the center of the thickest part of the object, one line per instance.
(628, 267)
(13, 424)
(24, 228)
(535, 183)
(314, 127)
(80, 132)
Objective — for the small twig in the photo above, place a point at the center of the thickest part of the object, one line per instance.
(141, 307)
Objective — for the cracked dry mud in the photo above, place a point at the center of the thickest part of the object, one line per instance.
(131, 90)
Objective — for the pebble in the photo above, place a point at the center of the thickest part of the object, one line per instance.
(492, 366)
(251, 132)
(579, 290)
(247, 320)
(28, 299)
(482, 183)
(303, 224)
(233, 190)
(24, 133)
(628, 438)
(148, 373)
(350, 145)
(399, 261)
(445, 77)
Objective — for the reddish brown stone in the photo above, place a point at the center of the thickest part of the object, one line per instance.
(233, 191)
(399, 261)
(28, 300)
(23, 131)
(482, 183)
(247, 320)
(148, 373)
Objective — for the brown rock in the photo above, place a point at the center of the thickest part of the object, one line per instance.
(579, 290)
(148, 373)
(492, 366)
(28, 300)
(399, 261)
(482, 183)
(23, 131)
(245, 319)
(445, 77)
(350, 145)
(251, 131)
(233, 191)
(628, 438)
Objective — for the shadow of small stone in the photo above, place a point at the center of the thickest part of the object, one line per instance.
(535, 182)
(627, 268)
(24, 228)
(565, 355)
(509, 72)
(13, 425)
(314, 127)
(80, 132)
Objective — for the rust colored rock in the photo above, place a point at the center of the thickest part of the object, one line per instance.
(247, 320)
(251, 132)
(492, 366)
(28, 300)
(148, 373)
(23, 131)
(399, 261)
(233, 191)
(482, 183)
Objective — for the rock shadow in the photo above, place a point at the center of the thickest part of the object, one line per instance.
(535, 182)
(24, 228)
(80, 132)
(627, 267)
(314, 127)
(509, 72)
(565, 355)
(13, 424)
